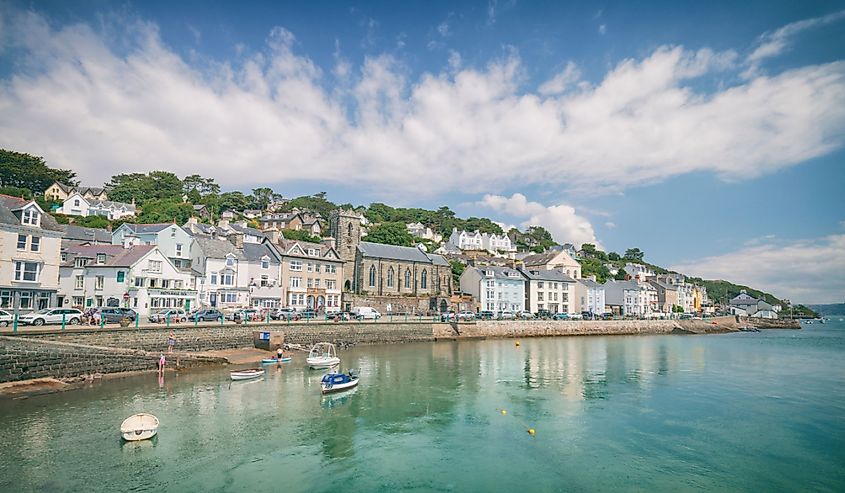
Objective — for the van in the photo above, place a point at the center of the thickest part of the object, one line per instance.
(366, 313)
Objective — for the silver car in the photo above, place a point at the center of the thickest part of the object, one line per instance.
(6, 318)
(70, 316)
(173, 315)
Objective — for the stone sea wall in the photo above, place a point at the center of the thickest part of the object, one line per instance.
(24, 359)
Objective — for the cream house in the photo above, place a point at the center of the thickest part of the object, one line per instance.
(550, 290)
(78, 205)
(30, 244)
(312, 275)
(60, 192)
(554, 261)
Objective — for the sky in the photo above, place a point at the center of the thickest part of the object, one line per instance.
(708, 134)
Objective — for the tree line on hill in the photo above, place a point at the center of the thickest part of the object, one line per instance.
(163, 197)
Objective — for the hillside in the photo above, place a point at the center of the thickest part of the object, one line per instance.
(829, 310)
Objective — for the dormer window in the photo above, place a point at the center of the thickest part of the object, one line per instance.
(31, 217)
(80, 262)
(230, 261)
(101, 258)
(265, 263)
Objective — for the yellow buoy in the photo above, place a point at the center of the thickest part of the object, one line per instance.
(531, 431)
(517, 343)
(504, 412)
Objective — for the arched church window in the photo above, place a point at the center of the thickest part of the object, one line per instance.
(424, 279)
(372, 276)
(390, 277)
(407, 278)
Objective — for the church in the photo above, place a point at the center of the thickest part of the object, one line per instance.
(388, 277)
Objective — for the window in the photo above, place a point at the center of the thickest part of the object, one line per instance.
(80, 282)
(5, 299)
(121, 276)
(98, 283)
(372, 274)
(296, 265)
(154, 265)
(27, 271)
(407, 278)
(213, 279)
(101, 258)
(21, 242)
(539, 296)
(317, 268)
(76, 202)
(177, 284)
(173, 232)
(265, 281)
(165, 283)
(178, 249)
(31, 217)
(424, 279)
(26, 300)
(80, 262)
(317, 282)
(227, 278)
(310, 267)
(265, 263)
(330, 284)
(230, 261)
(78, 301)
(35, 243)
(390, 277)
(539, 284)
(349, 229)
(295, 282)
(309, 283)
(64, 256)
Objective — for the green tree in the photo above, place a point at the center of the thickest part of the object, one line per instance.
(92, 222)
(457, 269)
(391, 234)
(634, 255)
(234, 201)
(165, 211)
(621, 275)
(299, 235)
(613, 256)
(140, 187)
(22, 170)
(314, 203)
(203, 186)
(261, 197)
(594, 267)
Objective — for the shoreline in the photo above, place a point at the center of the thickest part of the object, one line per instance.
(57, 361)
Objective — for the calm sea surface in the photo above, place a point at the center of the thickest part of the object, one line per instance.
(739, 412)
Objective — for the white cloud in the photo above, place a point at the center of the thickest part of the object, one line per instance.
(101, 106)
(602, 28)
(610, 225)
(560, 220)
(560, 82)
(772, 44)
(807, 271)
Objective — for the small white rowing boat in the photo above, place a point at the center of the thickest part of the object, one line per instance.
(141, 426)
(247, 374)
(323, 355)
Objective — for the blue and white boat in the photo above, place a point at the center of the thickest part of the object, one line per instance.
(337, 382)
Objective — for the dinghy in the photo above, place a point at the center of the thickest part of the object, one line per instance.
(323, 355)
(141, 426)
(337, 382)
(270, 361)
(247, 374)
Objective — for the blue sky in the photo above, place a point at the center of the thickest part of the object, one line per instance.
(708, 134)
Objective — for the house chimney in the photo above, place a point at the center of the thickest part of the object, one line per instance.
(192, 221)
(328, 241)
(237, 239)
(223, 223)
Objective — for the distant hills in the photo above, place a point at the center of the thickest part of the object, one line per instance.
(831, 309)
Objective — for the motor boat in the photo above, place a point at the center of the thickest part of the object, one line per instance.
(337, 382)
(141, 426)
(247, 374)
(323, 355)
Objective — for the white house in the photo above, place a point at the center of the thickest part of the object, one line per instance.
(78, 205)
(638, 272)
(30, 243)
(421, 231)
(550, 290)
(494, 243)
(466, 240)
(173, 241)
(631, 298)
(590, 296)
(559, 260)
(140, 277)
(496, 288)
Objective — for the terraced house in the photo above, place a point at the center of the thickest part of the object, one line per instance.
(30, 244)
(312, 275)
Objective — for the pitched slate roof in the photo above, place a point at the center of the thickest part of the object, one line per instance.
(9, 204)
(246, 230)
(500, 272)
(539, 258)
(130, 256)
(147, 228)
(547, 275)
(590, 283)
(305, 245)
(81, 233)
(393, 252)
(438, 259)
(109, 204)
(218, 248)
(255, 251)
(93, 190)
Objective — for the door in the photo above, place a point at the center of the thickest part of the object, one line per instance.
(212, 299)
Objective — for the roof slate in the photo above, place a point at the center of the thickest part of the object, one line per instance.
(393, 252)
(9, 203)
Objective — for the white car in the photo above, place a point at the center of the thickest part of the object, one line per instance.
(365, 312)
(506, 315)
(173, 315)
(6, 318)
(525, 315)
(71, 316)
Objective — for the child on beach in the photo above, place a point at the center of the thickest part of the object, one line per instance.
(171, 341)
(161, 363)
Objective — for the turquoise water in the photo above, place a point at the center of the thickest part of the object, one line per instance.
(738, 412)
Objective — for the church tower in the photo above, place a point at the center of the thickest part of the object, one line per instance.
(345, 227)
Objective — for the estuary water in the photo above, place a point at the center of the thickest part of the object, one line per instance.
(737, 412)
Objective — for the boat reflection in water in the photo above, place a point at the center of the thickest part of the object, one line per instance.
(329, 401)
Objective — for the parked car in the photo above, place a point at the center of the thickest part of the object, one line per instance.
(466, 316)
(587, 315)
(206, 315)
(686, 316)
(71, 316)
(6, 318)
(607, 316)
(576, 316)
(341, 316)
(115, 315)
(174, 315)
(544, 314)
(525, 315)
(486, 315)
(243, 313)
(308, 314)
(506, 315)
(560, 316)
(366, 313)
(447, 316)
(285, 314)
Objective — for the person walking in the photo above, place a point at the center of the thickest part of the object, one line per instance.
(161, 364)
(171, 341)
